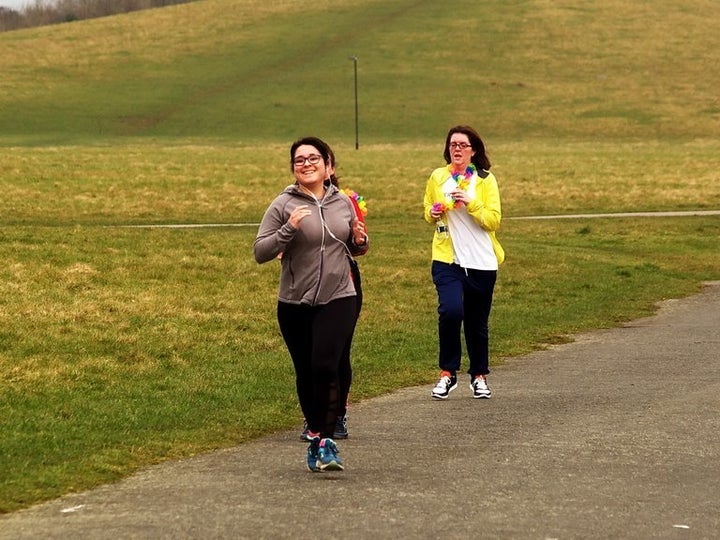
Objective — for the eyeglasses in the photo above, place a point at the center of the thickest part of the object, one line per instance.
(312, 159)
(460, 145)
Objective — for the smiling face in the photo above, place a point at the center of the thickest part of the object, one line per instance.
(309, 168)
(461, 151)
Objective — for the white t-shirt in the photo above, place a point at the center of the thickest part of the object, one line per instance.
(472, 245)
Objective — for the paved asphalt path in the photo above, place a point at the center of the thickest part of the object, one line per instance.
(616, 435)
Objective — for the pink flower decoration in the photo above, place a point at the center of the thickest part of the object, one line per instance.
(439, 208)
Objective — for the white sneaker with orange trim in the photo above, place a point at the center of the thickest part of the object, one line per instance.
(445, 385)
(480, 387)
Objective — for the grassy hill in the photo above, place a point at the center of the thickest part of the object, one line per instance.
(267, 71)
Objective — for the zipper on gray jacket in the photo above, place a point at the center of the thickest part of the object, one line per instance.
(322, 248)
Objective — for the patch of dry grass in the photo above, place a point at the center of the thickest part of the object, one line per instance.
(210, 183)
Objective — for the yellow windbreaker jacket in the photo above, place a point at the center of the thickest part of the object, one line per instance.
(485, 210)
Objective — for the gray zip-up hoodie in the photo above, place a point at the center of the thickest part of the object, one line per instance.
(315, 265)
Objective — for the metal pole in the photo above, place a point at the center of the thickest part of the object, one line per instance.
(357, 130)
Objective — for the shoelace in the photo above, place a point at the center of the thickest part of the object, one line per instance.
(330, 449)
(480, 384)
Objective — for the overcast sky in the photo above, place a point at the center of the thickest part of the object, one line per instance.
(15, 4)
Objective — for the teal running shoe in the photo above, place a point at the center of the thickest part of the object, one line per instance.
(328, 458)
(313, 455)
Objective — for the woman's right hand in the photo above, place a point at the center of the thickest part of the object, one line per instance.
(296, 216)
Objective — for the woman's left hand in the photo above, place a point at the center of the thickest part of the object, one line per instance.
(461, 196)
(359, 232)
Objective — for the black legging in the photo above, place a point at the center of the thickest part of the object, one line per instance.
(316, 337)
(345, 369)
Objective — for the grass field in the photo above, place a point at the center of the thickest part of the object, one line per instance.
(121, 347)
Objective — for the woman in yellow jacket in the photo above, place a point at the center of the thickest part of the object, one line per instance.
(462, 200)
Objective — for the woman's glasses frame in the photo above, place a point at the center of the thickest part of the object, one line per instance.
(461, 145)
(312, 159)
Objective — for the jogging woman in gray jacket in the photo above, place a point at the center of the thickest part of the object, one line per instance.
(315, 228)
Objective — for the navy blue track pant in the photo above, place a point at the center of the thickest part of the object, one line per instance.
(464, 302)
